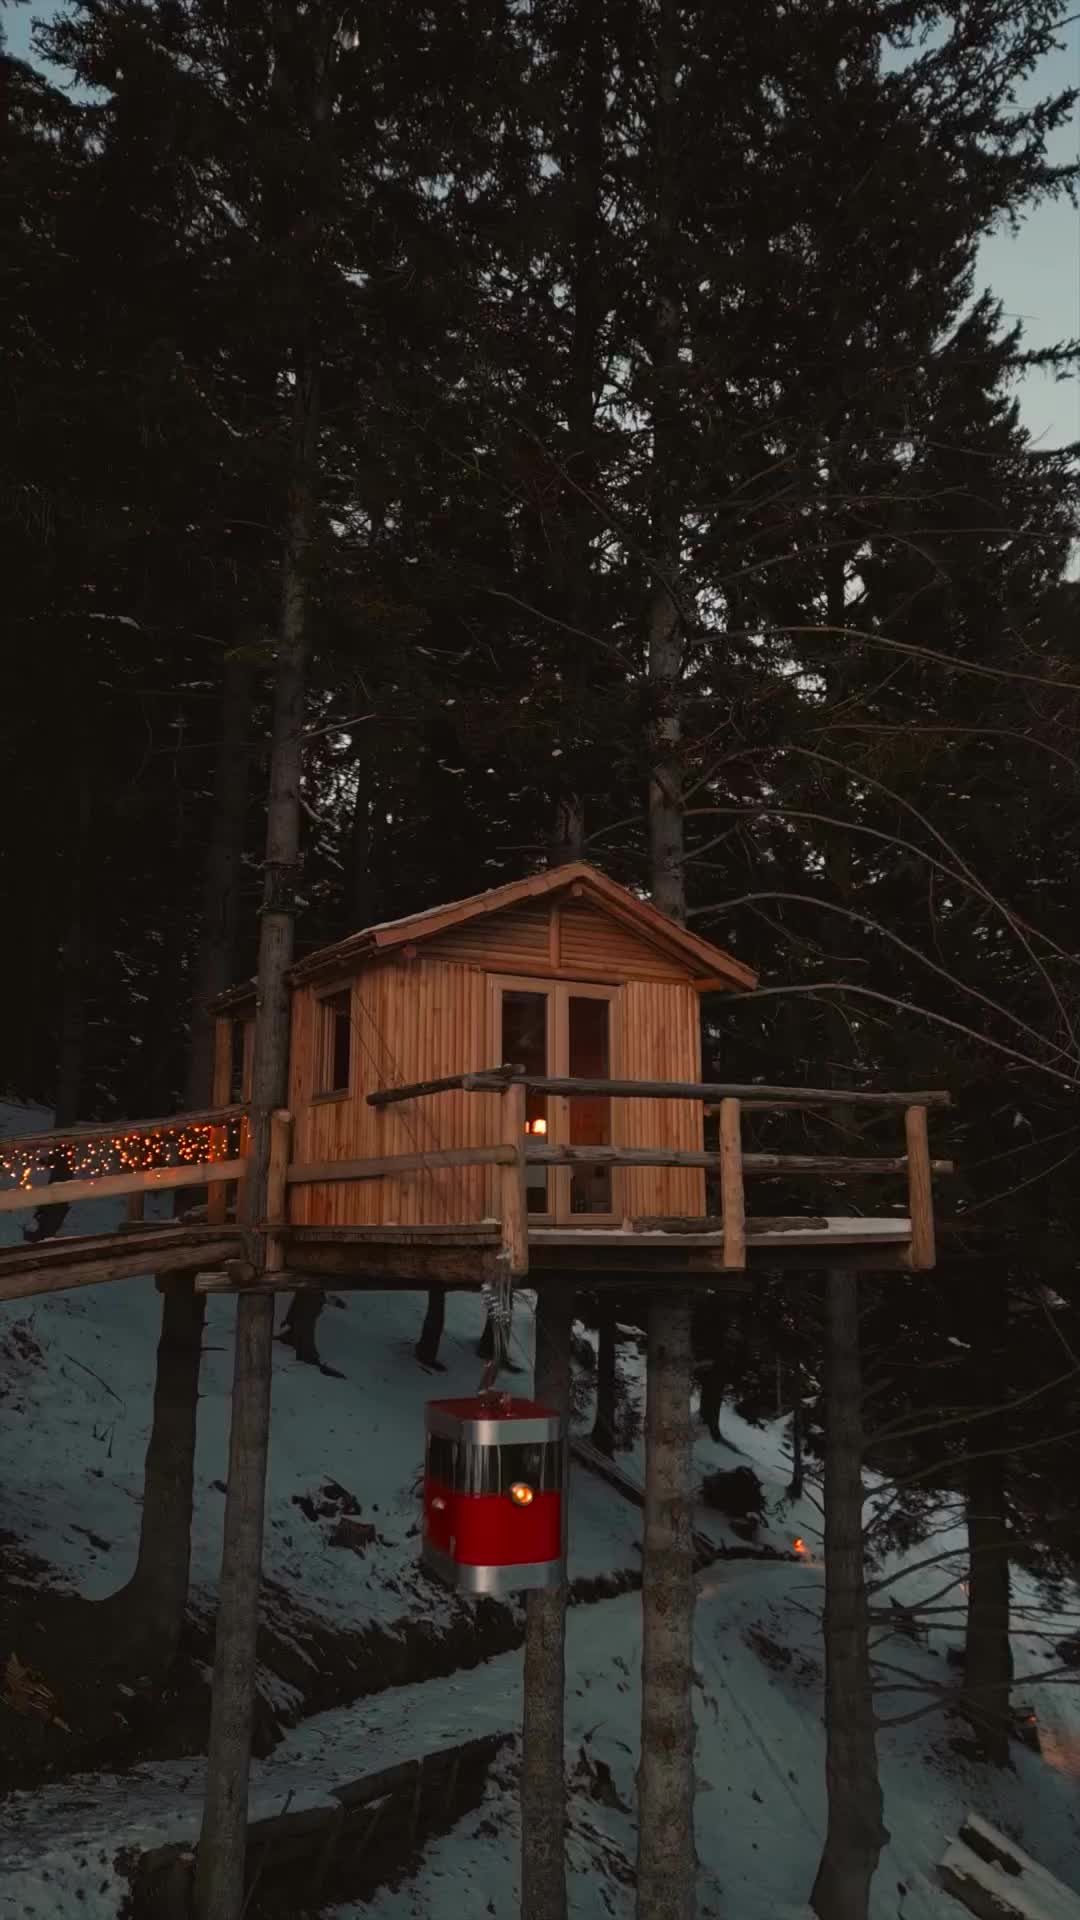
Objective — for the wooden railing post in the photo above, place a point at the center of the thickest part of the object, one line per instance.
(732, 1201)
(513, 1207)
(217, 1197)
(281, 1125)
(920, 1190)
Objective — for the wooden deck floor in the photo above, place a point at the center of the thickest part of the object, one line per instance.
(389, 1257)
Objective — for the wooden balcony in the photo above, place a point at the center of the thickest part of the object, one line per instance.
(209, 1150)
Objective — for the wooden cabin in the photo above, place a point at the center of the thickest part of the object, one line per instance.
(564, 974)
(430, 1062)
(505, 1086)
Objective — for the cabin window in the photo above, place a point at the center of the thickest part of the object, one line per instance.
(589, 1050)
(335, 1043)
(525, 1044)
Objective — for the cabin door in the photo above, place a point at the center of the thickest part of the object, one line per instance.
(564, 1030)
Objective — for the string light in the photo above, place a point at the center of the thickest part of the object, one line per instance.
(189, 1144)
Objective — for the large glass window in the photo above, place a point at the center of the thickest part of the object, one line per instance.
(525, 1044)
(589, 1022)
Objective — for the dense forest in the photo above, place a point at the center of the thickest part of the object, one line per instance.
(511, 431)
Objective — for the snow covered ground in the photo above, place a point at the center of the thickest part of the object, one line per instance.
(76, 1375)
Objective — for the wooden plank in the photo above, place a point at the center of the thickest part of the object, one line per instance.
(513, 1199)
(996, 1880)
(733, 1206)
(109, 1186)
(920, 1190)
(492, 1080)
(136, 1208)
(122, 1263)
(392, 1164)
(428, 1233)
(389, 1263)
(217, 1199)
(700, 1090)
(755, 1163)
(128, 1129)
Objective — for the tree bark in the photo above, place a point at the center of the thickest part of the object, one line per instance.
(71, 1037)
(987, 1647)
(431, 1333)
(666, 1857)
(543, 1772)
(607, 1373)
(795, 1488)
(152, 1605)
(301, 1322)
(855, 1833)
(665, 625)
(219, 1878)
(216, 952)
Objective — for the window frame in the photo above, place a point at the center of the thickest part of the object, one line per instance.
(326, 1030)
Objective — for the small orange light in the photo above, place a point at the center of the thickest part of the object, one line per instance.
(520, 1494)
(798, 1545)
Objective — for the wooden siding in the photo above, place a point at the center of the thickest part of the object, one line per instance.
(419, 1019)
(594, 942)
(516, 939)
(411, 1020)
(587, 942)
(661, 1040)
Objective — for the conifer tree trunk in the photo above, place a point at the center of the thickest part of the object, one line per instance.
(798, 1474)
(219, 1880)
(855, 1833)
(215, 956)
(71, 1035)
(603, 1433)
(431, 1333)
(543, 1770)
(666, 1856)
(152, 1605)
(987, 1647)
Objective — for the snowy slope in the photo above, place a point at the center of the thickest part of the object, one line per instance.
(75, 1383)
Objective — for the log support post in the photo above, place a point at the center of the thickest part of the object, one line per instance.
(513, 1208)
(920, 1190)
(732, 1201)
(219, 1873)
(217, 1198)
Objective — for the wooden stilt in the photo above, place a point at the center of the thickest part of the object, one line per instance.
(217, 1199)
(219, 1874)
(513, 1200)
(920, 1190)
(733, 1206)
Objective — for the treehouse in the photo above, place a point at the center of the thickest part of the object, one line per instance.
(515, 1079)
(508, 1086)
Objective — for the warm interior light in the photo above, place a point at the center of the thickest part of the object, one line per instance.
(536, 1126)
(520, 1494)
(798, 1545)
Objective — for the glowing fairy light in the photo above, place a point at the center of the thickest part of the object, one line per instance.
(188, 1143)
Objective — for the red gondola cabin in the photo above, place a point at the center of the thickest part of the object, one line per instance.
(493, 1494)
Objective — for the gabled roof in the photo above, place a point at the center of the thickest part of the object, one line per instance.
(704, 960)
(708, 965)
